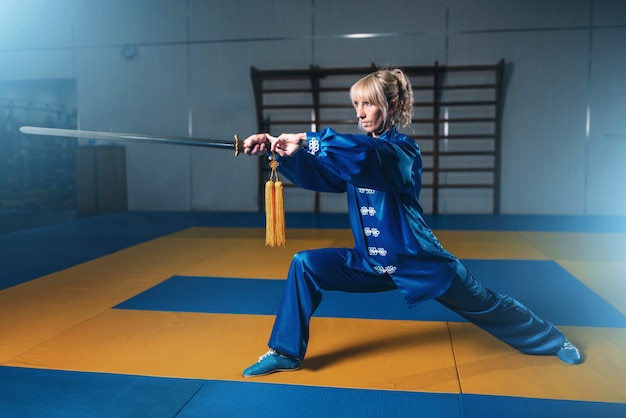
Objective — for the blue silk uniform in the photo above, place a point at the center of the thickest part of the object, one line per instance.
(393, 246)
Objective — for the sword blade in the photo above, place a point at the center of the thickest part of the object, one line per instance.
(235, 145)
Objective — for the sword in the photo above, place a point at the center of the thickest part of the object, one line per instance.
(236, 145)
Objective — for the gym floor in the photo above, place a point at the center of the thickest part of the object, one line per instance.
(156, 314)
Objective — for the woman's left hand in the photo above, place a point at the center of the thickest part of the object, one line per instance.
(287, 145)
(257, 144)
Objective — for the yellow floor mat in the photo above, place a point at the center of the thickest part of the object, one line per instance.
(65, 320)
(356, 353)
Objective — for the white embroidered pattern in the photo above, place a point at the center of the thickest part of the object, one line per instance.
(313, 146)
(377, 251)
(371, 211)
(387, 269)
(374, 232)
(371, 231)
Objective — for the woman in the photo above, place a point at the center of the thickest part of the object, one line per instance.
(393, 247)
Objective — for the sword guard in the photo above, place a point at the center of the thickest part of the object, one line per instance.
(238, 145)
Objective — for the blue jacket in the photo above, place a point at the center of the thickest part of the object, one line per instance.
(382, 179)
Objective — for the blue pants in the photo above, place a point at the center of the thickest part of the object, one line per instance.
(324, 269)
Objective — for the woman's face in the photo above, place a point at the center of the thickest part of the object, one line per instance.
(371, 117)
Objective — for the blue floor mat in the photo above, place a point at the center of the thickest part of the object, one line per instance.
(548, 290)
(543, 286)
(66, 394)
(33, 253)
(261, 297)
(56, 393)
(486, 406)
(247, 400)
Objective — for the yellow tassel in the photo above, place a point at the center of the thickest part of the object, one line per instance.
(270, 212)
(279, 208)
(274, 209)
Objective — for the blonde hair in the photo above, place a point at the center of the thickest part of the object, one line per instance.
(382, 88)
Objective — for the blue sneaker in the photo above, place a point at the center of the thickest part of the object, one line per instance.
(271, 362)
(568, 353)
